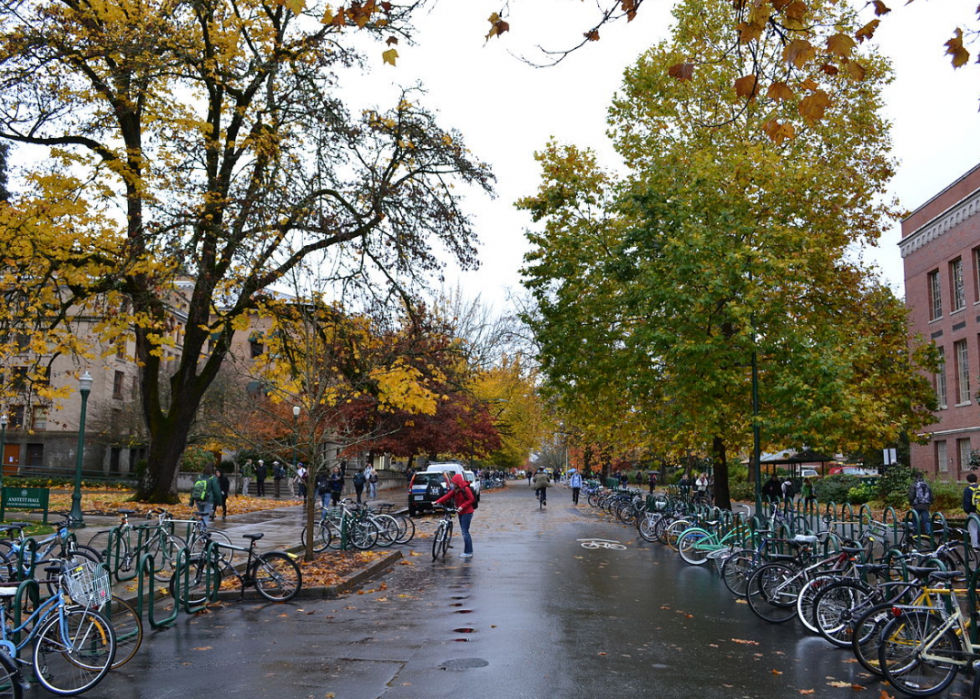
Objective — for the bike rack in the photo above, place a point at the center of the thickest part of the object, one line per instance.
(146, 570)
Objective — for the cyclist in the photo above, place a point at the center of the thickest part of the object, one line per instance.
(540, 485)
(464, 500)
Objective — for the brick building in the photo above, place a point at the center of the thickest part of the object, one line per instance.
(940, 247)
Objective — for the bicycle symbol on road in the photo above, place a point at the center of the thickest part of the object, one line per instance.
(593, 544)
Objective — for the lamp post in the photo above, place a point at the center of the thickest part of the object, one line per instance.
(75, 516)
(296, 410)
(3, 443)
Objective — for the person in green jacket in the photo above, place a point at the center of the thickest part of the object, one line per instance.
(206, 492)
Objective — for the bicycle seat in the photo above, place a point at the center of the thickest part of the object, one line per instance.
(851, 550)
(252, 537)
(920, 572)
(946, 575)
(803, 539)
(126, 512)
(8, 591)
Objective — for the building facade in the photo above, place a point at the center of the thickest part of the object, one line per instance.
(940, 248)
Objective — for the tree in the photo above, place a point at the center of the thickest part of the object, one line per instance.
(197, 154)
(722, 245)
(4, 155)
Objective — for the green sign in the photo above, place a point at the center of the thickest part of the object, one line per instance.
(24, 499)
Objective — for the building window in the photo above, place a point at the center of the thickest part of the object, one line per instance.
(962, 373)
(935, 296)
(136, 388)
(16, 417)
(121, 348)
(956, 293)
(39, 418)
(118, 380)
(976, 274)
(941, 380)
(942, 461)
(963, 454)
(257, 348)
(35, 455)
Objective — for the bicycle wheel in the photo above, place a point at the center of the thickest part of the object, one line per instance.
(738, 568)
(837, 606)
(128, 627)
(362, 534)
(321, 540)
(646, 525)
(808, 593)
(674, 530)
(866, 636)
(72, 659)
(694, 545)
(406, 529)
(277, 576)
(437, 539)
(164, 547)
(904, 642)
(198, 543)
(772, 591)
(387, 529)
(10, 678)
(100, 542)
(447, 539)
(193, 579)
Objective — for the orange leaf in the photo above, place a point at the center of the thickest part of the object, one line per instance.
(778, 132)
(829, 69)
(797, 10)
(592, 35)
(749, 31)
(841, 44)
(799, 52)
(776, 672)
(807, 691)
(681, 71)
(955, 48)
(812, 107)
(391, 40)
(780, 91)
(881, 8)
(868, 30)
(746, 86)
(855, 70)
(747, 643)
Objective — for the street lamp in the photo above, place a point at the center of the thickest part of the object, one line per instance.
(295, 433)
(75, 516)
(3, 442)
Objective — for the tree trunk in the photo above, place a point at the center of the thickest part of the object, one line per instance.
(159, 481)
(723, 498)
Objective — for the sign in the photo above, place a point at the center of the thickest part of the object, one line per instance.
(16, 498)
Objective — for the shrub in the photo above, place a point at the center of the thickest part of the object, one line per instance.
(836, 488)
(861, 494)
(195, 459)
(948, 497)
(741, 490)
(893, 485)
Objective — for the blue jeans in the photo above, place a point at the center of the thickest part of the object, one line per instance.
(464, 528)
(925, 520)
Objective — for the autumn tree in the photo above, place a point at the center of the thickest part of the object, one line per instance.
(191, 154)
(721, 245)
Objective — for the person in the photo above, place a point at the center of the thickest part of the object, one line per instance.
(701, 487)
(301, 476)
(260, 474)
(788, 491)
(463, 498)
(971, 498)
(359, 481)
(807, 491)
(322, 485)
(684, 485)
(205, 492)
(639, 478)
(278, 473)
(624, 480)
(224, 485)
(773, 489)
(575, 483)
(248, 472)
(372, 481)
(336, 486)
(920, 497)
(540, 484)
(530, 476)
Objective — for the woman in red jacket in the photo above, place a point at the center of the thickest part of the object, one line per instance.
(463, 499)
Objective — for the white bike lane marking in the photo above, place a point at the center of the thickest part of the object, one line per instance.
(593, 544)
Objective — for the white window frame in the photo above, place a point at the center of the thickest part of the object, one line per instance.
(962, 360)
(941, 389)
(935, 296)
(942, 456)
(956, 291)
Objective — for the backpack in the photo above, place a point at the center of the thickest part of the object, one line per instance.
(201, 492)
(790, 489)
(359, 479)
(476, 503)
(975, 497)
(921, 494)
(279, 473)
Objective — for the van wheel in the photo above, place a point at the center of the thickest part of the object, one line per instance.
(413, 512)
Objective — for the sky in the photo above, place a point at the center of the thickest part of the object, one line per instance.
(507, 109)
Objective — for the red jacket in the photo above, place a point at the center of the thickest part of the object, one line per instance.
(461, 494)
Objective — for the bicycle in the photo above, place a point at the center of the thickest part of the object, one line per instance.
(444, 534)
(74, 646)
(274, 574)
(21, 555)
(119, 549)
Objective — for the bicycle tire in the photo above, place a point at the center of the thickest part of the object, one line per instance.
(646, 525)
(387, 530)
(772, 591)
(362, 534)
(737, 569)
(192, 576)
(276, 576)
(447, 539)
(10, 678)
(808, 593)
(866, 636)
(899, 659)
(74, 664)
(197, 544)
(100, 542)
(691, 545)
(406, 527)
(164, 548)
(128, 628)
(674, 530)
(321, 539)
(437, 541)
(837, 607)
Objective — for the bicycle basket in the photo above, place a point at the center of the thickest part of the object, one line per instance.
(88, 584)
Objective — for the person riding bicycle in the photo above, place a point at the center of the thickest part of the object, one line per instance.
(540, 484)
(464, 501)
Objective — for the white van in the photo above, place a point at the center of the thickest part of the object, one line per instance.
(452, 467)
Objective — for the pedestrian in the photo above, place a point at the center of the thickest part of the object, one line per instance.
(224, 485)
(684, 485)
(260, 473)
(372, 481)
(773, 489)
(639, 478)
(806, 491)
(322, 484)
(920, 497)
(652, 480)
(301, 477)
(701, 488)
(788, 491)
(205, 493)
(248, 472)
(530, 476)
(359, 481)
(540, 485)
(336, 485)
(971, 498)
(278, 473)
(343, 471)
(464, 500)
(624, 480)
(575, 483)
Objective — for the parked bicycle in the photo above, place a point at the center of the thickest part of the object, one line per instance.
(441, 540)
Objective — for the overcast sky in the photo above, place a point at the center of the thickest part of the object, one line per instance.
(507, 109)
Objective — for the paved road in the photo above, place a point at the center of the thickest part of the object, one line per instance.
(533, 614)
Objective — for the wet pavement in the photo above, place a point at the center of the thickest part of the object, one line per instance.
(541, 610)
